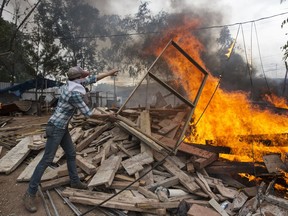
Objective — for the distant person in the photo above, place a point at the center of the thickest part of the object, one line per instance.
(71, 98)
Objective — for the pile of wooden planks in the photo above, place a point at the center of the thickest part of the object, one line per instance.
(127, 169)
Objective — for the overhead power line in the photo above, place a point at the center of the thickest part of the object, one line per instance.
(158, 32)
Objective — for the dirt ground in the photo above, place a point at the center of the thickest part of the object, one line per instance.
(12, 191)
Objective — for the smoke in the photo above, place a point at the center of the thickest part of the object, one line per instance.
(236, 73)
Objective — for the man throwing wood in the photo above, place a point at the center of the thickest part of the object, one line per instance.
(72, 98)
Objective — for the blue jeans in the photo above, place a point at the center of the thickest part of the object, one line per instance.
(55, 137)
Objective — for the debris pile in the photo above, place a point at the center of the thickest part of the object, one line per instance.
(128, 171)
(139, 163)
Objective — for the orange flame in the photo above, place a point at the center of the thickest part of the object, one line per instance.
(249, 177)
(229, 114)
(285, 176)
(276, 101)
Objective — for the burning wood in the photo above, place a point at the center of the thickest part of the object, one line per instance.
(169, 174)
(140, 163)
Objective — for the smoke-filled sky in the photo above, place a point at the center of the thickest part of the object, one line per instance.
(266, 36)
(269, 33)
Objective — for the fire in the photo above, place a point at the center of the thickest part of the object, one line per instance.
(249, 177)
(229, 114)
(277, 101)
(283, 189)
(285, 176)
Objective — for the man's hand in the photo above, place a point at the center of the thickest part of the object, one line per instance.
(109, 117)
(113, 72)
(112, 117)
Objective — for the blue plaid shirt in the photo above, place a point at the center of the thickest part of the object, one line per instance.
(68, 102)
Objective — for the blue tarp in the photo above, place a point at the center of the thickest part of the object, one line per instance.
(40, 82)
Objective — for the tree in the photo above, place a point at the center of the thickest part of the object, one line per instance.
(14, 65)
(67, 34)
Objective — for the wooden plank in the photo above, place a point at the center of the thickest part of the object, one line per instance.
(77, 134)
(84, 143)
(169, 182)
(123, 184)
(147, 193)
(28, 171)
(57, 172)
(227, 192)
(15, 156)
(106, 172)
(185, 180)
(123, 149)
(135, 164)
(145, 126)
(103, 153)
(217, 207)
(277, 201)
(165, 174)
(157, 204)
(274, 163)
(122, 197)
(124, 178)
(148, 177)
(212, 148)
(198, 210)
(47, 185)
(195, 151)
(239, 201)
(111, 204)
(204, 185)
(85, 165)
(141, 136)
(201, 163)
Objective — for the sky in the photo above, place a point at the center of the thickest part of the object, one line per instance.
(263, 49)
(262, 44)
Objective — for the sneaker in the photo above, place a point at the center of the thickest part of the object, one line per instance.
(79, 185)
(29, 202)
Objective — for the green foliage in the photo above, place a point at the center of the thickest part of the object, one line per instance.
(69, 32)
(14, 59)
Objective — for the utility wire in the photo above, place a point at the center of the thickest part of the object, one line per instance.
(220, 77)
(247, 62)
(159, 32)
(261, 62)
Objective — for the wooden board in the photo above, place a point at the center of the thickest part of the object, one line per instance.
(85, 165)
(85, 142)
(135, 164)
(198, 210)
(106, 172)
(217, 207)
(274, 163)
(141, 136)
(47, 185)
(227, 192)
(15, 156)
(185, 180)
(28, 171)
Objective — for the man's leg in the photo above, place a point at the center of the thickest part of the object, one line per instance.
(54, 137)
(70, 153)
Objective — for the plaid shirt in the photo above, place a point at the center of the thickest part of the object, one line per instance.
(68, 102)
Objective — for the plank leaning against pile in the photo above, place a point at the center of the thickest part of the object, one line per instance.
(71, 98)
